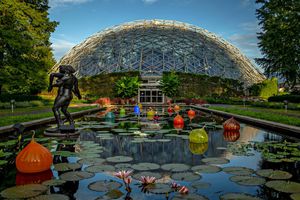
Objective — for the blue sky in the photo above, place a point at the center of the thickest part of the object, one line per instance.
(233, 20)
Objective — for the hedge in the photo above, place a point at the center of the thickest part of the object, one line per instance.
(281, 98)
(19, 97)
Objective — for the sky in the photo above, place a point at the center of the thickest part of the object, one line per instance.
(233, 20)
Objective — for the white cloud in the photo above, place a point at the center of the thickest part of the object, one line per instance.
(61, 47)
(149, 1)
(57, 3)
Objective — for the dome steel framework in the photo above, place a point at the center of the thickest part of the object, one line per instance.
(154, 46)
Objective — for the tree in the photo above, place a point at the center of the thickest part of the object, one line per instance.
(25, 52)
(127, 87)
(280, 38)
(169, 84)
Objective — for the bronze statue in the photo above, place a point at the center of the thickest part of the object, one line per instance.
(67, 84)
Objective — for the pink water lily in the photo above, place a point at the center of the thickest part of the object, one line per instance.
(175, 185)
(183, 190)
(122, 174)
(146, 180)
(128, 180)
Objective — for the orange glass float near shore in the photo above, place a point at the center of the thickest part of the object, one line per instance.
(178, 122)
(231, 125)
(191, 114)
(176, 108)
(34, 158)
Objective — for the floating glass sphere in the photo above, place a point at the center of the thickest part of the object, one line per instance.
(136, 110)
(178, 122)
(231, 125)
(198, 136)
(191, 114)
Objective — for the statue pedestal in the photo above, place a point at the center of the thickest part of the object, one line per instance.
(62, 131)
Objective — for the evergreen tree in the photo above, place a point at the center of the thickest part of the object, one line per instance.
(25, 52)
(280, 38)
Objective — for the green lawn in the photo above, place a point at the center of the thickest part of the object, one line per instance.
(263, 114)
(8, 120)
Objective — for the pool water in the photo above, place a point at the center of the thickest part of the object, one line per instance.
(155, 148)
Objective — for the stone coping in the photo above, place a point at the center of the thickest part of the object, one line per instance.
(43, 121)
(289, 130)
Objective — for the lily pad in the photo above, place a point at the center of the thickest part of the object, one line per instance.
(200, 185)
(91, 161)
(238, 196)
(100, 168)
(51, 197)
(284, 186)
(53, 182)
(185, 176)
(113, 194)
(123, 166)
(23, 191)
(164, 140)
(248, 180)
(76, 176)
(119, 159)
(295, 196)
(206, 169)
(87, 155)
(215, 161)
(171, 135)
(189, 197)
(145, 166)
(62, 167)
(238, 170)
(5, 154)
(138, 176)
(104, 185)
(159, 188)
(64, 153)
(274, 174)
(175, 167)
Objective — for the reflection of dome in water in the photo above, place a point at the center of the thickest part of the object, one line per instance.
(154, 46)
(231, 136)
(198, 148)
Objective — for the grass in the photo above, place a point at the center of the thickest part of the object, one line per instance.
(264, 114)
(8, 120)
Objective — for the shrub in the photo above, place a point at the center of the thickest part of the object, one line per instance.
(18, 97)
(281, 98)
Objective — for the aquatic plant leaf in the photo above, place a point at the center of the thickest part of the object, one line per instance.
(113, 194)
(159, 188)
(215, 161)
(62, 167)
(123, 166)
(8, 143)
(51, 197)
(3, 162)
(100, 168)
(185, 176)
(64, 153)
(238, 170)
(118, 130)
(206, 169)
(189, 197)
(23, 191)
(171, 135)
(274, 174)
(284, 186)
(104, 185)
(238, 196)
(138, 176)
(119, 159)
(295, 196)
(248, 180)
(126, 134)
(200, 185)
(145, 166)
(75, 176)
(175, 167)
(163, 140)
(91, 161)
(53, 182)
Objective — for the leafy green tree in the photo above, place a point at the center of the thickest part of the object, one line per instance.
(280, 38)
(127, 87)
(25, 52)
(170, 84)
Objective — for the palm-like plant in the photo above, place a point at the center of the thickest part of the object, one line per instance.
(127, 87)
(169, 84)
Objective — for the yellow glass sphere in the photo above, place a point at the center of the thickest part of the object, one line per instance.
(198, 136)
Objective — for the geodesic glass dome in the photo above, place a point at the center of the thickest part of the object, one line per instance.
(155, 46)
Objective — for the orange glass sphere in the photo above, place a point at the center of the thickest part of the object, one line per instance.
(191, 114)
(176, 108)
(231, 125)
(34, 158)
(231, 136)
(178, 122)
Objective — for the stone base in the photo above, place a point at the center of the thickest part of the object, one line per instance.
(55, 132)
